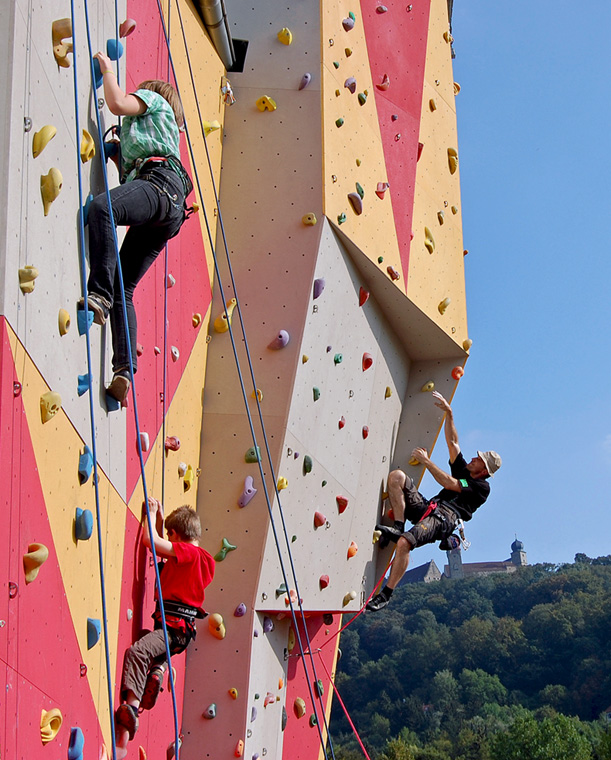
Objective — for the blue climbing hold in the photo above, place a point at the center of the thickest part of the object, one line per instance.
(86, 206)
(111, 149)
(114, 49)
(85, 465)
(97, 74)
(83, 524)
(77, 742)
(84, 381)
(94, 629)
(82, 322)
(112, 405)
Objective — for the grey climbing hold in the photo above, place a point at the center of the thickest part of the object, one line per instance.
(348, 23)
(356, 203)
(350, 84)
(280, 341)
(305, 81)
(268, 624)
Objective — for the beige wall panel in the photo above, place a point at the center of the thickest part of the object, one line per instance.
(78, 560)
(434, 277)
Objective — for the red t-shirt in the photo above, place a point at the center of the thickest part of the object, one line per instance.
(185, 577)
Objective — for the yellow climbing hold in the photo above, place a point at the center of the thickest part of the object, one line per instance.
(285, 36)
(36, 556)
(216, 626)
(27, 275)
(428, 387)
(211, 126)
(63, 321)
(196, 319)
(188, 478)
(50, 187)
(50, 723)
(452, 160)
(222, 322)
(432, 104)
(414, 462)
(304, 358)
(258, 394)
(299, 706)
(444, 305)
(42, 138)
(429, 240)
(448, 37)
(282, 484)
(265, 103)
(466, 344)
(309, 220)
(388, 392)
(456, 88)
(61, 30)
(50, 404)
(292, 640)
(87, 147)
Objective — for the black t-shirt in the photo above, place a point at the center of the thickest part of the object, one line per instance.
(473, 492)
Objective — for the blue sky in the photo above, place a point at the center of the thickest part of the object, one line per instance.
(534, 116)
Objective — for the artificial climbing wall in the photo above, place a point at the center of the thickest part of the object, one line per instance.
(52, 653)
(347, 326)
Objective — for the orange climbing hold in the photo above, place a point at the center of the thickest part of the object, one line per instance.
(457, 373)
(352, 549)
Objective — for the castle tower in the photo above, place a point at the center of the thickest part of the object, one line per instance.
(518, 554)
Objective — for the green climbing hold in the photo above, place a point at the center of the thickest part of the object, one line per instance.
(324, 483)
(339, 122)
(293, 539)
(281, 590)
(362, 98)
(341, 218)
(380, 259)
(253, 455)
(360, 191)
(336, 64)
(319, 688)
(316, 393)
(226, 547)
(352, 16)
(313, 721)
(338, 358)
(307, 464)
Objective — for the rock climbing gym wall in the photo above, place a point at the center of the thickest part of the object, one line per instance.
(289, 339)
(342, 298)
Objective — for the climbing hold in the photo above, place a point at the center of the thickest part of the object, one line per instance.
(341, 218)
(356, 202)
(239, 747)
(182, 469)
(222, 322)
(452, 160)
(252, 455)
(50, 187)
(316, 393)
(292, 597)
(171, 443)
(323, 581)
(348, 24)
(319, 520)
(233, 692)
(457, 373)
(50, 404)
(360, 191)
(348, 52)
(265, 103)
(349, 597)
(448, 37)
(339, 122)
(240, 610)
(33, 560)
(313, 721)
(365, 431)
(307, 464)
(420, 149)
(175, 354)
(429, 241)
(127, 27)
(63, 321)
(413, 462)
(114, 49)
(342, 503)
(157, 350)
(83, 383)
(291, 640)
(210, 126)
(281, 590)
(94, 630)
(83, 524)
(381, 9)
(270, 699)
(268, 624)
(388, 392)
(196, 319)
(367, 361)
(61, 30)
(454, 210)
(27, 275)
(432, 104)
(248, 492)
(282, 484)
(381, 189)
(50, 723)
(299, 707)
(83, 323)
(352, 549)
(304, 358)
(85, 208)
(280, 341)
(384, 84)
(309, 220)
(210, 711)
(466, 344)
(139, 349)
(350, 84)
(76, 744)
(363, 296)
(224, 550)
(443, 305)
(171, 751)
(440, 217)
(285, 36)
(428, 387)
(188, 478)
(342, 422)
(394, 274)
(285, 718)
(85, 465)
(145, 442)
(319, 286)
(258, 394)
(336, 64)
(305, 81)
(216, 626)
(338, 358)
(42, 138)
(87, 147)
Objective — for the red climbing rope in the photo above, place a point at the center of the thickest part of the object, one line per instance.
(339, 699)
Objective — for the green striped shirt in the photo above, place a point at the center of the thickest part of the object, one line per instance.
(152, 133)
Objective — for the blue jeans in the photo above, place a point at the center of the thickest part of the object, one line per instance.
(153, 207)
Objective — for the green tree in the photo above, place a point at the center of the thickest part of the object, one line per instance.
(554, 738)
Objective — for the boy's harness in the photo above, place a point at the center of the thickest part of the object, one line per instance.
(184, 612)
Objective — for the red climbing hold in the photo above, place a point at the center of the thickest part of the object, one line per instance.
(342, 503)
(394, 274)
(385, 84)
(341, 422)
(365, 431)
(323, 581)
(367, 361)
(363, 296)
(319, 520)
(420, 147)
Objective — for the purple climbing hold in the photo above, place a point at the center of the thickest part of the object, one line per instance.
(253, 714)
(319, 286)
(350, 84)
(240, 610)
(348, 24)
(268, 625)
(248, 492)
(280, 341)
(305, 81)
(356, 202)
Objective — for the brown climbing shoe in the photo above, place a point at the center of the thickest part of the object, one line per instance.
(119, 387)
(154, 682)
(127, 716)
(98, 305)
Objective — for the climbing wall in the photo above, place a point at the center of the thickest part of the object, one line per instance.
(343, 340)
(51, 633)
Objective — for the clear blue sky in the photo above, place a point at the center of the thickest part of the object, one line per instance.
(534, 116)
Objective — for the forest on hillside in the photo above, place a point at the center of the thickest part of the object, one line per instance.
(498, 667)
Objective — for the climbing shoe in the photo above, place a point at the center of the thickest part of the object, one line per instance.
(449, 543)
(98, 305)
(119, 387)
(388, 534)
(154, 682)
(127, 716)
(378, 602)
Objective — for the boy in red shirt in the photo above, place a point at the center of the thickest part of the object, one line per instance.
(186, 573)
